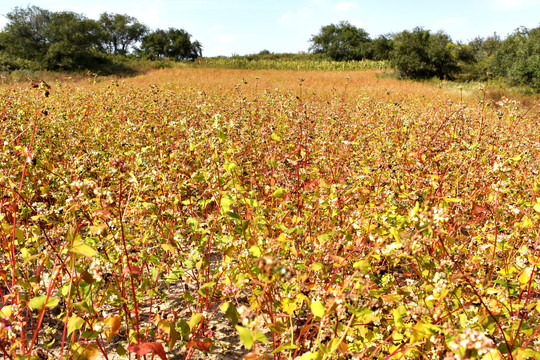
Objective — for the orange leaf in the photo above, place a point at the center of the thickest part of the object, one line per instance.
(104, 214)
(200, 345)
(113, 326)
(159, 350)
(478, 209)
(133, 269)
(140, 349)
(146, 347)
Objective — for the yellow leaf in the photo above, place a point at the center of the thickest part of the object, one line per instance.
(525, 276)
(289, 305)
(318, 309)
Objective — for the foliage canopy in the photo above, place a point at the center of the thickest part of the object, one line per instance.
(41, 39)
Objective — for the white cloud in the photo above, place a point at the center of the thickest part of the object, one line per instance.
(345, 6)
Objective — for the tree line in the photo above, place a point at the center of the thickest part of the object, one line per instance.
(37, 39)
(421, 54)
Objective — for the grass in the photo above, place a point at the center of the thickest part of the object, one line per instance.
(323, 214)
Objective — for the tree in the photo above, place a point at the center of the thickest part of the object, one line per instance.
(155, 44)
(120, 32)
(485, 48)
(24, 35)
(381, 48)
(342, 42)
(518, 58)
(174, 43)
(54, 40)
(73, 41)
(419, 54)
(180, 45)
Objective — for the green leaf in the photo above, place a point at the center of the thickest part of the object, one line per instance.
(318, 309)
(195, 320)
(74, 323)
(260, 337)
(284, 347)
(120, 350)
(226, 202)
(278, 327)
(168, 247)
(527, 353)
(39, 301)
(19, 234)
(310, 356)
(399, 314)
(275, 137)
(537, 207)
(278, 193)
(289, 305)
(83, 306)
(230, 312)
(82, 249)
(222, 136)
(525, 276)
(184, 328)
(421, 331)
(233, 215)
(170, 330)
(255, 251)
(516, 158)
(246, 336)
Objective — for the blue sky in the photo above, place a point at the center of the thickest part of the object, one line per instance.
(226, 27)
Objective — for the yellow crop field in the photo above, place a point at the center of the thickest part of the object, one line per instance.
(199, 213)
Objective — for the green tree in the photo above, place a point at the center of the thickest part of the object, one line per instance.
(120, 32)
(342, 42)
(518, 58)
(174, 43)
(73, 41)
(25, 34)
(419, 54)
(181, 47)
(381, 48)
(485, 48)
(52, 40)
(155, 44)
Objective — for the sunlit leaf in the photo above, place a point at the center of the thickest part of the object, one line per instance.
(200, 345)
(169, 329)
(230, 312)
(113, 325)
(74, 323)
(82, 249)
(289, 305)
(245, 336)
(318, 309)
(39, 301)
(196, 318)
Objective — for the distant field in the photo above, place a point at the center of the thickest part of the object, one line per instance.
(209, 213)
(244, 62)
